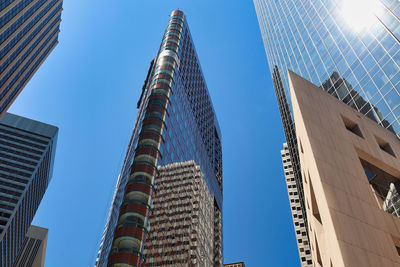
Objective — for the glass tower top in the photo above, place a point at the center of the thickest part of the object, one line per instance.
(350, 48)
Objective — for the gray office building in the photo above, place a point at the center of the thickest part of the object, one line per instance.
(28, 33)
(27, 150)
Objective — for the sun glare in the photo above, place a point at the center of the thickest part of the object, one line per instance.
(360, 14)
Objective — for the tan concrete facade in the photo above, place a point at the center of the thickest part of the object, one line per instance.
(347, 223)
(33, 251)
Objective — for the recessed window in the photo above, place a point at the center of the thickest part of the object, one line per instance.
(301, 146)
(385, 187)
(396, 242)
(385, 146)
(319, 259)
(314, 205)
(352, 127)
(398, 250)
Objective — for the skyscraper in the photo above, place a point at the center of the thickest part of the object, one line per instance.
(349, 48)
(27, 150)
(28, 33)
(176, 123)
(33, 250)
(300, 227)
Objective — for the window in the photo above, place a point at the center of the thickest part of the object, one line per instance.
(314, 205)
(301, 147)
(396, 242)
(319, 259)
(384, 146)
(352, 127)
(385, 187)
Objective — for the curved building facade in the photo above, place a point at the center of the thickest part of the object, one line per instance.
(176, 123)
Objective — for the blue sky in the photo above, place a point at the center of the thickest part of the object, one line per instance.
(89, 87)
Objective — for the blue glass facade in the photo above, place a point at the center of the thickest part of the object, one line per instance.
(175, 104)
(323, 39)
(28, 32)
(27, 150)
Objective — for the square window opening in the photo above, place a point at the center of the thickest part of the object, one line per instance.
(385, 187)
(396, 242)
(352, 126)
(385, 146)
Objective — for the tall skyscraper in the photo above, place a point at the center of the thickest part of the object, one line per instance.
(176, 123)
(349, 48)
(27, 150)
(33, 250)
(28, 33)
(350, 166)
(300, 227)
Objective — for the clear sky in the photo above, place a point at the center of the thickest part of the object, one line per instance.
(89, 87)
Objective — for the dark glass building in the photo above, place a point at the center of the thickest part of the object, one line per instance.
(27, 150)
(176, 123)
(28, 33)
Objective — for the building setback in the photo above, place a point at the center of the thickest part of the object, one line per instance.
(28, 33)
(349, 165)
(350, 49)
(182, 220)
(33, 250)
(27, 150)
(176, 123)
(299, 223)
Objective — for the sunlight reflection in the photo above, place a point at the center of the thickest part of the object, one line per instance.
(360, 14)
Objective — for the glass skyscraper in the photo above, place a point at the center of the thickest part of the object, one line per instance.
(358, 40)
(350, 48)
(28, 33)
(176, 123)
(27, 150)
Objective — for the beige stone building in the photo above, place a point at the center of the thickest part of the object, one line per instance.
(297, 214)
(349, 166)
(33, 250)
